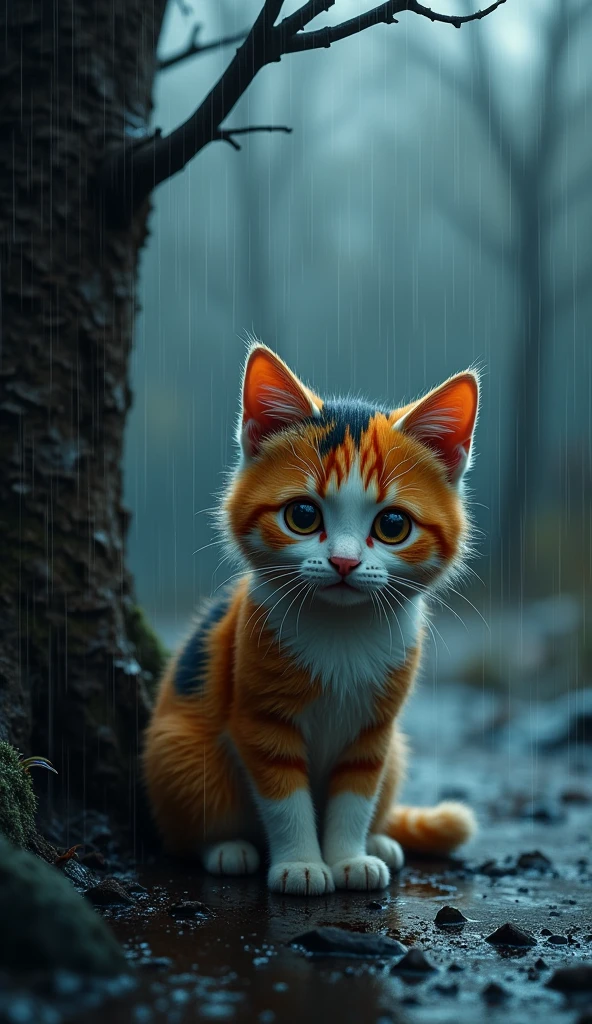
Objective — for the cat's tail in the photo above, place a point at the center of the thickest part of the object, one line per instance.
(437, 830)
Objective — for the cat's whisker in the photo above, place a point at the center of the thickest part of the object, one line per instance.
(380, 598)
(273, 608)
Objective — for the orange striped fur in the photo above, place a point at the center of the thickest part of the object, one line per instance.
(275, 727)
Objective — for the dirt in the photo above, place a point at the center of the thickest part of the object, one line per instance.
(227, 955)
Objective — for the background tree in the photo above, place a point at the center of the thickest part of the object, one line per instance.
(539, 202)
(77, 167)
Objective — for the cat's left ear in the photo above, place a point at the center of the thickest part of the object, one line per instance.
(445, 422)
(272, 398)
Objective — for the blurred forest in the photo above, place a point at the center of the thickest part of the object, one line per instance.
(432, 209)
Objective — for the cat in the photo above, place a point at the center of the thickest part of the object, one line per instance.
(275, 726)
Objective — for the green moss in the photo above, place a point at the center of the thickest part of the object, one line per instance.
(17, 799)
(151, 653)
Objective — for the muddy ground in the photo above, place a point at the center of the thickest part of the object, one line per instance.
(524, 766)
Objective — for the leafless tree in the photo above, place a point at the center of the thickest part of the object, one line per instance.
(527, 156)
(78, 164)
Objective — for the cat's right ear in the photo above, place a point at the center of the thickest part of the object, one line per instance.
(272, 398)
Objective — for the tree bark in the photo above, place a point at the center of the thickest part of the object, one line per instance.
(74, 77)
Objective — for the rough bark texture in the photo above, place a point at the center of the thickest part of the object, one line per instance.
(74, 76)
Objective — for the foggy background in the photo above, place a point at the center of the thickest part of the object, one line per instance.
(379, 249)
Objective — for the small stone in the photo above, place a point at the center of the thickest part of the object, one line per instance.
(509, 935)
(576, 796)
(376, 905)
(108, 893)
(540, 964)
(492, 869)
(189, 909)
(449, 917)
(414, 962)
(331, 941)
(572, 979)
(456, 967)
(557, 940)
(450, 989)
(535, 861)
(494, 993)
(546, 931)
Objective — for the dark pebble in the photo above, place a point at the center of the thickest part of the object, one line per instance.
(540, 964)
(576, 796)
(546, 931)
(414, 962)
(494, 993)
(108, 893)
(155, 963)
(557, 940)
(448, 916)
(188, 909)
(550, 814)
(456, 967)
(572, 979)
(446, 990)
(509, 935)
(331, 941)
(376, 905)
(535, 861)
(492, 869)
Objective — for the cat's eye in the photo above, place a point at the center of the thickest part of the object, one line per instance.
(303, 517)
(391, 526)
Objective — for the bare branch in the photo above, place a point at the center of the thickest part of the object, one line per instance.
(130, 174)
(227, 134)
(194, 47)
(384, 14)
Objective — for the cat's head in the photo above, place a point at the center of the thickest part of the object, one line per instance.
(343, 499)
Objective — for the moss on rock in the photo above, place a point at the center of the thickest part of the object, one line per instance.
(46, 924)
(17, 799)
(151, 653)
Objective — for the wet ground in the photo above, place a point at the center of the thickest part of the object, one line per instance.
(525, 769)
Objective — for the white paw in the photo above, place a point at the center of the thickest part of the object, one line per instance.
(298, 878)
(387, 849)
(363, 873)
(232, 858)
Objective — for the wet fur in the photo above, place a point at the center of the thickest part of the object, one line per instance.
(275, 726)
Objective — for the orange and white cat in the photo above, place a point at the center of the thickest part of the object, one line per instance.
(275, 726)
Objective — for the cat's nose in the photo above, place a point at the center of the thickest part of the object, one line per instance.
(344, 565)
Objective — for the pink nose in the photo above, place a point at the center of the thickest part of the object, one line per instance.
(344, 565)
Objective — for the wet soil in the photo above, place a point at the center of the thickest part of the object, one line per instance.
(231, 959)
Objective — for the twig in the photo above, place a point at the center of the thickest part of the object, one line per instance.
(226, 134)
(193, 48)
(384, 14)
(130, 174)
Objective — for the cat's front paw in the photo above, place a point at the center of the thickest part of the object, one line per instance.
(386, 849)
(298, 878)
(362, 873)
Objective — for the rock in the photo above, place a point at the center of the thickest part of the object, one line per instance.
(449, 917)
(492, 869)
(46, 924)
(572, 979)
(108, 893)
(17, 799)
(544, 811)
(330, 941)
(576, 796)
(546, 931)
(535, 861)
(414, 962)
(557, 940)
(494, 993)
(446, 990)
(509, 935)
(540, 964)
(456, 967)
(189, 909)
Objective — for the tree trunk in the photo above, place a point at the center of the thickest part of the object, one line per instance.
(74, 76)
(522, 467)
